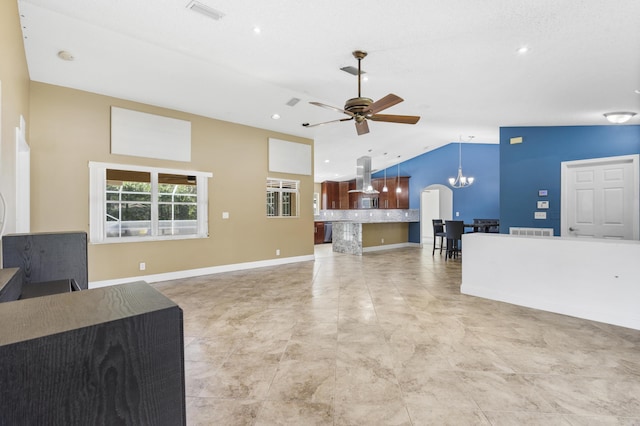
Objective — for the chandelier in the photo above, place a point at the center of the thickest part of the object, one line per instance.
(461, 181)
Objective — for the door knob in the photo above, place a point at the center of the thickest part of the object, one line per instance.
(572, 229)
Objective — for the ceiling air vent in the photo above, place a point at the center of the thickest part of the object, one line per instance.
(205, 10)
(352, 70)
(293, 101)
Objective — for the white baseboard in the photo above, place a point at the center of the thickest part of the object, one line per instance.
(202, 271)
(389, 247)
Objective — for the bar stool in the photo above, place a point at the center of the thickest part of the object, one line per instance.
(438, 231)
(453, 232)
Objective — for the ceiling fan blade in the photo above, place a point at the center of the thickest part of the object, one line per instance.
(332, 108)
(384, 103)
(362, 128)
(326, 122)
(403, 119)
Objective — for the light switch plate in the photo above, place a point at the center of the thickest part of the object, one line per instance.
(540, 215)
(225, 215)
(543, 204)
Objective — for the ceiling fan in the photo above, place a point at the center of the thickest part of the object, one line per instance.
(362, 109)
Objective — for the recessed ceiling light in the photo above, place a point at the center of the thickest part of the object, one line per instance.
(365, 78)
(275, 116)
(522, 50)
(65, 56)
(327, 161)
(637, 91)
(256, 30)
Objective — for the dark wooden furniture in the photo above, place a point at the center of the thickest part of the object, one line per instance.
(486, 225)
(335, 195)
(47, 288)
(330, 193)
(453, 232)
(318, 234)
(105, 356)
(47, 256)
(10, 284)
(438, 232)
(344, 195)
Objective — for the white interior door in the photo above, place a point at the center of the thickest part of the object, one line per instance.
(429, 210)
(436, 202)
(600, 198)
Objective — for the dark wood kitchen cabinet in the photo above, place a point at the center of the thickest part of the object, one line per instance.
(336, 195)
(392, 199)
(344, 189)
(330, 195)
(318, 232)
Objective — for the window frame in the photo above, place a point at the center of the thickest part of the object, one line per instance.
(98, 202)
(284, 186)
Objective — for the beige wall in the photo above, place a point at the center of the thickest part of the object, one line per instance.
(14, 78)
(392, 233)
(69, 128)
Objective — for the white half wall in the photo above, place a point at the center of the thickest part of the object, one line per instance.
(593, 279)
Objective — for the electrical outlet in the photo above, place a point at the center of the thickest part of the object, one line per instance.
(382, 240)
(277, 252)
(143, 266)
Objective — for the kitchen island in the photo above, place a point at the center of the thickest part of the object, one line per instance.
(358, 231)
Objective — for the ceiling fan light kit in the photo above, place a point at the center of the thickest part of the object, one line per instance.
(362, 109)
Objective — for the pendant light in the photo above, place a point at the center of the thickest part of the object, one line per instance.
(384, 188)
(461, 181)
(398, 189)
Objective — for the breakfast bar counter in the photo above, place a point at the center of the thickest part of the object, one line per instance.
(357, 231)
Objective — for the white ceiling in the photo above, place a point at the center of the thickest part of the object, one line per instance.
(455, 62)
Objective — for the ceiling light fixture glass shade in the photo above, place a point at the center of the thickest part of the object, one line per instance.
(384, 188)
(619, 117)
(461, 181)
(398, 189)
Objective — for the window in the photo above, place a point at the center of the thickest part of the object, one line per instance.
(130, 203)
(282, 197)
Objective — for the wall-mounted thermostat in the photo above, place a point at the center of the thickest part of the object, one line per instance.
(543, 204)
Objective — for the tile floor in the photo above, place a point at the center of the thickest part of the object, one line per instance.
(387, 339)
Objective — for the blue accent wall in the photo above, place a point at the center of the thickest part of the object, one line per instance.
(534, 164)
(481, 200)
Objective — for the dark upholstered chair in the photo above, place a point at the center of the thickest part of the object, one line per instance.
(453, 232)
(486, 225)
(438, 232)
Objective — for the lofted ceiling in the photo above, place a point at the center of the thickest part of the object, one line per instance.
(456, 64)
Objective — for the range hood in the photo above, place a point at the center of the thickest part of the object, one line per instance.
(363, 176)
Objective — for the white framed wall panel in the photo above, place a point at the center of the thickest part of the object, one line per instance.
(148, 135)
(289, 157)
